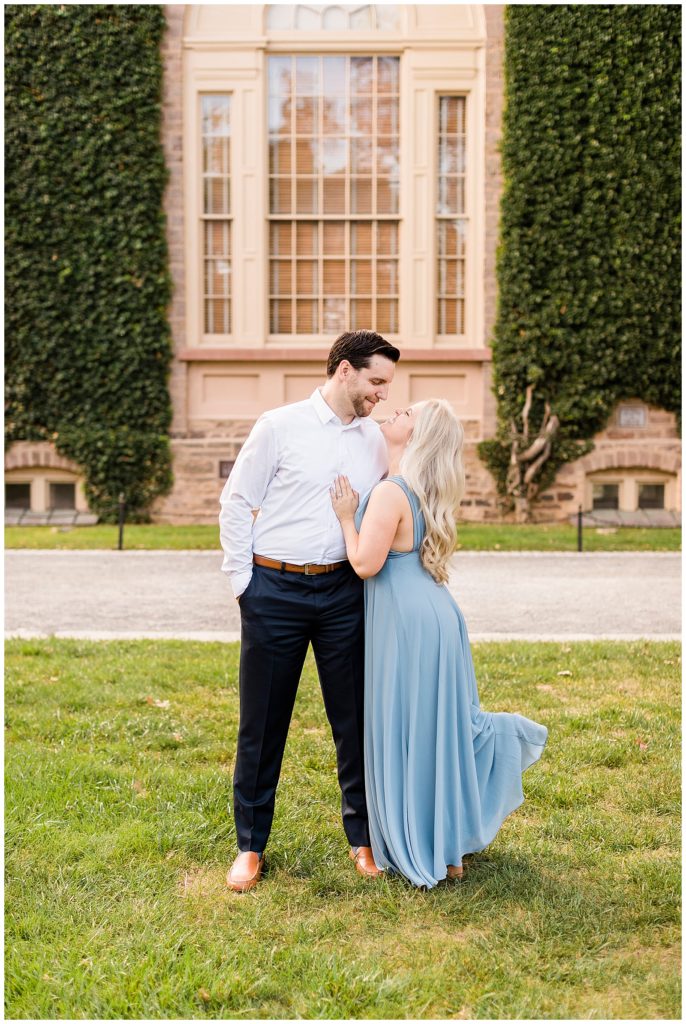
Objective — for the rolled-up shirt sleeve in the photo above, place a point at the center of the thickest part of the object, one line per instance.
(244, 491)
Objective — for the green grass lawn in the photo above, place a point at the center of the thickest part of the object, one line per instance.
(471, 537)
(118, 775)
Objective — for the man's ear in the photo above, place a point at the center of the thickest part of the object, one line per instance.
(344, 368)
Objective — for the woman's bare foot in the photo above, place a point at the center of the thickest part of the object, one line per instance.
(455, 872)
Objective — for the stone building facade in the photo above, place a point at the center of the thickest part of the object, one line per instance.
(336, 167)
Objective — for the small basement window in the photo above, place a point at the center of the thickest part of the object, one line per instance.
(651, 495)
(18, 496)
(605, 496)
(63, 497)
(225, 467)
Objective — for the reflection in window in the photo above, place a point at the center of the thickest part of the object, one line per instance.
(216, 226)
(651, 495)
(605, 496)
(334, 169)
(451, 214)
(333, 17)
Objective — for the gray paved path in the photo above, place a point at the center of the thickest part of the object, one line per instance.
(183, 594)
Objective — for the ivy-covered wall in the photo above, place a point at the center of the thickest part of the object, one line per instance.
(589, 268)
(87, 286)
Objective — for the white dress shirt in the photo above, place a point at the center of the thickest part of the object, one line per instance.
(285, 468)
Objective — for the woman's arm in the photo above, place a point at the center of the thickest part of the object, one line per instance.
(368, 549)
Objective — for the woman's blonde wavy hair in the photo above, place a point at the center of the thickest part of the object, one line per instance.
(432, 467)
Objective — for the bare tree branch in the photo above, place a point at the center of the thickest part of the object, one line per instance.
(526, 410)
(526, 464)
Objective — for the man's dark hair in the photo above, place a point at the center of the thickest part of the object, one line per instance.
(358, 347)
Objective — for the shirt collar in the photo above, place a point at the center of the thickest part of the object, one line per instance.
(326, 413)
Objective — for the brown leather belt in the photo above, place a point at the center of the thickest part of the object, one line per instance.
(309, 569)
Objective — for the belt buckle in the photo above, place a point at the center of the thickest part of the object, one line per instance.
(306, 567)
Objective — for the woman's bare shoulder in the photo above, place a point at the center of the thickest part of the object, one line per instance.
(386, 493)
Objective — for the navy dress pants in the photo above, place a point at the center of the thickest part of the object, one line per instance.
(281, 614)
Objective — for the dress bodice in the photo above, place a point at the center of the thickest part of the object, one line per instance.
(417, 516)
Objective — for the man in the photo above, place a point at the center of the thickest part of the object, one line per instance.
(294, 586)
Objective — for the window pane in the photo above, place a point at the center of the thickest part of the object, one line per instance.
(334, 76)
(306, 195)
(280, 195)
(281, 277)
(361, 195)
(334, 277)
(606, 496)
(280, 156)
(361, 18)
(216, 195)
(361, 119)
(216, 156)
(360, 314)
(62, 496)
(387, 239)
(388, 156)
(305, 156)
(217, 316)
(306, 116)
(217, 238)
(651, 495)
(307, 81)
(279, 76)
(387, 196)
(334, 315)
(387, 277)
(306, 277)
(217, 274)
(334, 115)
(306, 239)
(334, 195)
(306, 317)
(18, 496)
(280, 116)
(334, 238)
(387, 17)
(361, 74)
(334, 156)
(387, 115)
(452, 115)
(280, 239)
(280, 318)
(361, 277)
(216, 116)
(387, 74)
(387, 316)
(361, 239)
(361, 154)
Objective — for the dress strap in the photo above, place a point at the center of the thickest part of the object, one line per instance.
(417, 517)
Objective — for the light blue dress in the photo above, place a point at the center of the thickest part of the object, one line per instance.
(441, 775)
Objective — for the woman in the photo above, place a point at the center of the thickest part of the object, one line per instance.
(441, 774)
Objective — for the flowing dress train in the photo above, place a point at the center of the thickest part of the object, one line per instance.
(441, 774)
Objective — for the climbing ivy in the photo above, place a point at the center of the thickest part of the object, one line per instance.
(589, 262)
(87, 285)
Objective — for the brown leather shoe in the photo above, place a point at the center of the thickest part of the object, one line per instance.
(245, 872)
(364, 861)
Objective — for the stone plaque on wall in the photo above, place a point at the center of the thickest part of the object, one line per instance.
(631, 416)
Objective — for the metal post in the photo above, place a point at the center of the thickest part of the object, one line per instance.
(122, 516)
(579, 530)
